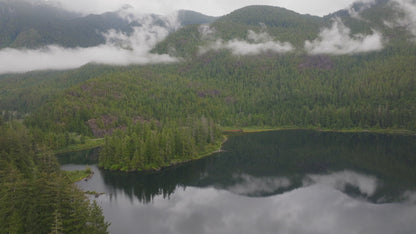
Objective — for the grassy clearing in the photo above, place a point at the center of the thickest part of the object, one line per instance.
(75, 176)
(89, 144)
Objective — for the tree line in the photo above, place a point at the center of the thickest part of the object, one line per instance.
(151, 146)
(35, 197)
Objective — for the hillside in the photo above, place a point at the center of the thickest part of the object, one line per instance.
(33, 25)
(283, 24)
(261, 67)
(186, 17)
(387, 21)
(29, 25)
(386, 16)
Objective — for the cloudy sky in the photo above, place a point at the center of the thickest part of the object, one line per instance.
(209, 7)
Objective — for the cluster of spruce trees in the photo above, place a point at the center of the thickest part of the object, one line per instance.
(35, 197)
(152, 145)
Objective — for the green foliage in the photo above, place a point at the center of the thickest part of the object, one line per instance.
(374, 90)
(148, 146)
(280, 23)
(159, 115)
(24, 93)
(75, 176)
(34, 196)
(368, 91)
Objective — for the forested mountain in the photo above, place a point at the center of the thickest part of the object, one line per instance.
(186, 17)
(24, 93)
(24, 24)
(36, 24)
(283, 24)
(388, 18)
(258, 66)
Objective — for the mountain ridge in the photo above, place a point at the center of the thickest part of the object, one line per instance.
(353, 71)
(25, 25)
(28, 25)
(361, 22)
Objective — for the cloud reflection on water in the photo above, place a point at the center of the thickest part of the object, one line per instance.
(367, 185)
(252, 186)
(319, 206)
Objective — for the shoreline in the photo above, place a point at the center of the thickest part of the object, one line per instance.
(82, 175)
(217, 149)
(229, 131)
(272, 129)
(236, 130)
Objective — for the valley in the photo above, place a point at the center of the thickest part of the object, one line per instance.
(160, 92)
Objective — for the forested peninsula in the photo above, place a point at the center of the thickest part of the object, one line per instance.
(259, 67)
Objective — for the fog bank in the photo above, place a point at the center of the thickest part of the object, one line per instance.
(338, 40)
(119, 49)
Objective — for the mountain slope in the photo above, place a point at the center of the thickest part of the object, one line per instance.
(372, 89)
(279, 22)
(386, 23)
(32, 25)
(186, 17)
(283, 24)
(385, 16)
(29, 25)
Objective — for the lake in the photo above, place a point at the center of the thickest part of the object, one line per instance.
(292, 181)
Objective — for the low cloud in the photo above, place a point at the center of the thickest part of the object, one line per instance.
(120, 49)
(207, 33)
(406, 16)
(338, 40)
(358, 7)
(255, 44)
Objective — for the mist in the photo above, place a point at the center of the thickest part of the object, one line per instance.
(338, 40)
(361, 5)
(119, 49)
(408, 17)
(255, 44)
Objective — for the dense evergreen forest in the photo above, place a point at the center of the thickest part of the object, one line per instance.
(363, 91)
(148, 145)
(35, 197)
(150, 110)
(153, 116)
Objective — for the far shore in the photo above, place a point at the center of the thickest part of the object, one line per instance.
(357, 130)
(96, 143)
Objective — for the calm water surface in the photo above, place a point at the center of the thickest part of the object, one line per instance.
(294, 181)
